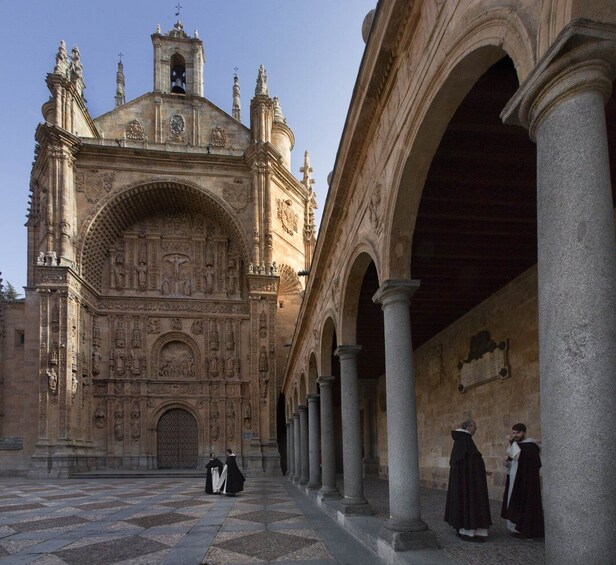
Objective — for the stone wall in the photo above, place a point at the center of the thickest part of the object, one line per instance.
(510, 314)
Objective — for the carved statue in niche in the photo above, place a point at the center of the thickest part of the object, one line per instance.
(153, 326)
(166, 286)
(120, 336)
(175, 272)
(230, 422)
(263, 382)
(247, 417)
(230, 338)
(96, 360)
(118, 428)
(142, 275)
(230, 365)
(137, 364)
(209, 278)
(263, 362)
(119, 362)
(214, 339)
(118, 387)
(96, 333)
(135, 421)
(99, 417)
(263, 324)
(74, 384)
(215, 423)
(231, 280)
(142, 254)
(213, 366)
(187, 287)
(53, 355)
(52, 380)
(117, 269)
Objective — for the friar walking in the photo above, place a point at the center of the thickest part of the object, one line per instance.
(231, 479)
(468, 507)
(213, 471)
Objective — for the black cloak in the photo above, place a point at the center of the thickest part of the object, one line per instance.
(467, 504)
(213, 464)
(235, 480)
(525, 509)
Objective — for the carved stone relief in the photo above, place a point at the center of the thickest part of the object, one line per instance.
(218, 137)
(288, 218)
(135, 130)
(93, 183)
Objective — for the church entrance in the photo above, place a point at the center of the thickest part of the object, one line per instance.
(177, 440)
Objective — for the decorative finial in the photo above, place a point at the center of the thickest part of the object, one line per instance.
(119, 97)
(262, 88)
(307, 181)
(311, 203)
(196, 34)
(236, 112)
(278, 116)
(61, 67)
(178, 9)
(76, 71)
(157, 28)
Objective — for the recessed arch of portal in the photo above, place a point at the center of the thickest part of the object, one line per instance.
(357, 266)
(178, 210)
(176, 356)
(179, 404)
(485, 38)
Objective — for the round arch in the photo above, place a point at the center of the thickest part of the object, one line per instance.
(135, 202)
(167, 338)
(486, 38)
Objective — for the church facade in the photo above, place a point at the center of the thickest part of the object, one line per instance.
(465, 267)
(164, 241)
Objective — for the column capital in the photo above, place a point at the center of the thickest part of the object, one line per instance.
(582, 58)
(326, 380)
(395, 290)
(312, 398)
(347, 351)
(302, 408)
(296, 415)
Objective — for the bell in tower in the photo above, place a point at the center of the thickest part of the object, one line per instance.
(178, 74)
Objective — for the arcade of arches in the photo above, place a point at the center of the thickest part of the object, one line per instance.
(465, 266)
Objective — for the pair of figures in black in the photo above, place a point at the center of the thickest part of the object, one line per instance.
(224, 479)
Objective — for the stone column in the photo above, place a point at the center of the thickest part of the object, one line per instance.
(328, 491)
(303, 432)
(297, 442)
(353, 501)
(289, 449)
(314, 447)
(371, 465)
(405, 529)
(562, 103)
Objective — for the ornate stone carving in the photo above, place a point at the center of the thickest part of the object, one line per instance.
(94, 184)
(198, 327)
(215, 422)
(176, 324)
(374, 210)
(135, 421)
(177, 125)
(134, 130)
(176, 361)
(52, 380)
(153, 326)
(118, 427)
(230, 421)
(100, 416)
(117, 269)
(287, 216)
(218, 137)
(236, 194)
(289, 281)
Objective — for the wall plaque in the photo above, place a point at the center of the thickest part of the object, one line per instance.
(486, 361)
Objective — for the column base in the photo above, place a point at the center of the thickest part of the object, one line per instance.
(303, 480)
(409, 539)
(371, 467)
(296, 479)
(314, 486)
(356, 507)
(330, 493)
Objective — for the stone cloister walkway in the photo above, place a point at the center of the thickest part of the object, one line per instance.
(171, 521)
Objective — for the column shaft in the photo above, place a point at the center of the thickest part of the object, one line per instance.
(303, 429)
(328, 450)
(577, 329)
(402, 442)
(314, 447)
(297, 448)
(353, 501)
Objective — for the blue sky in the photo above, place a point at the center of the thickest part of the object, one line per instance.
(311, 50)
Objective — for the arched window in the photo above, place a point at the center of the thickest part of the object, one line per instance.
(178, 74)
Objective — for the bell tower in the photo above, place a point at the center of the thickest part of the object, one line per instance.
(178, 62)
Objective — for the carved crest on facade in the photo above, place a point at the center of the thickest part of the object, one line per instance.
(236, 194)
(94, 184)
(287, 216)
(177, 126)
(218, 137)
(134, 130)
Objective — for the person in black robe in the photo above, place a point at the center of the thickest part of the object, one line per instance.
(467, 508)
(231, 479)
(522, 506)
(213, 470)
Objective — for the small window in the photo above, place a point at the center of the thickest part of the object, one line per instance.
(20, 338)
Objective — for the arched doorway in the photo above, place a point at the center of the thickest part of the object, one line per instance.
(177, 440)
